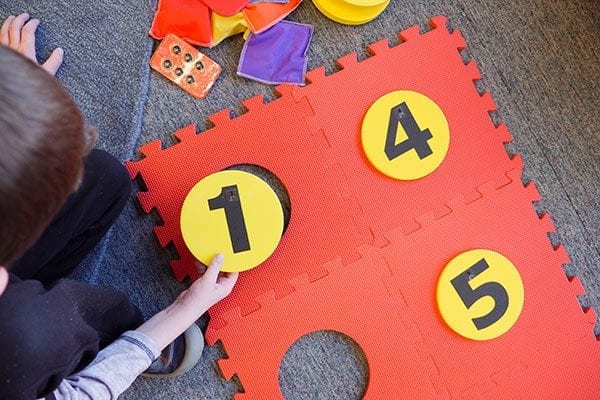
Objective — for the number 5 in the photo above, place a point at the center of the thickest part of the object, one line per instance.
(470, 295)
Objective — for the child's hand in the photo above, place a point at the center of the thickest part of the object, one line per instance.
(18, 33)
(171, 322)
(211, 288)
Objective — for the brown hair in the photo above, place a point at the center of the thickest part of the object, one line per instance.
(42, 144)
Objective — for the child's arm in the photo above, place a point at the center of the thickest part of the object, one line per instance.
(118, 365)
(18, 33)
(112, 371)
(212, 287)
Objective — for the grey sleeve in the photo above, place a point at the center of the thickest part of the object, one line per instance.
(112, 371)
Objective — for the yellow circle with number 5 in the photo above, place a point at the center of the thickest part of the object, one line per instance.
(235, 213)
(480, 294)
(405, 135)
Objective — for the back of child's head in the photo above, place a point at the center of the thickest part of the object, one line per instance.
(42, 145)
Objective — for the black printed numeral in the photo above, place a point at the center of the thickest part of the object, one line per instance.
(417, 138)
(229, 200)
(470, 295)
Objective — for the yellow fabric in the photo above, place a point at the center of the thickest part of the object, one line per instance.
(224, 27)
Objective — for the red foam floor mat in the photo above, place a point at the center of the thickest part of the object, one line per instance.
(363, 252)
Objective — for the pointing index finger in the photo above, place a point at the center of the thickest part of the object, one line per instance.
(212, 272)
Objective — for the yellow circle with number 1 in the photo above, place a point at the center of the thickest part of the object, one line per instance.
(235, 213)
(405, 135)
(480, 294)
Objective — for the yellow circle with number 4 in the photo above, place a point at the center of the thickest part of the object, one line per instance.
(480, 294)
(235, 213)
(405, 135)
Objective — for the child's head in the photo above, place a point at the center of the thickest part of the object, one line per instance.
(42, 145)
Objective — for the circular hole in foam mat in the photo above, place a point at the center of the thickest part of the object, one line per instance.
(275, 183)
(324, 365)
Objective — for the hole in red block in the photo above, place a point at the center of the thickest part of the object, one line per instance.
(275, 183)
(324, 365)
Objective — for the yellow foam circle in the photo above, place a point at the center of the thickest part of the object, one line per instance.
(365, 3)
(391, 149)
(230, 209)
(350, 14)
(480, 294)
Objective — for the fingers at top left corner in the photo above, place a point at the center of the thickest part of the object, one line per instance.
(4, 40)
(28, 39)
(14, 31)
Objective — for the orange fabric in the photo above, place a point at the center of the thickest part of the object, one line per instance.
(188, 19)
(363, 252)
(262, 16)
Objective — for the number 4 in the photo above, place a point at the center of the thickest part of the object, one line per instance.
(417, 138)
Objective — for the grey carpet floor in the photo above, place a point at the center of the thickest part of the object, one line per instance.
(540, 60)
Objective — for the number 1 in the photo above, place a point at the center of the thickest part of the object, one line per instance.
(229, 201)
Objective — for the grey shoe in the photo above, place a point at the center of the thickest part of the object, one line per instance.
(178, 357)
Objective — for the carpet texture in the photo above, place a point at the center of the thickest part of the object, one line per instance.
(539, 59)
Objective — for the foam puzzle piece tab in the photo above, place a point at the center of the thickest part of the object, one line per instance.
(277, 55)
(188, 19)
(185, 66)
(262, 16)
